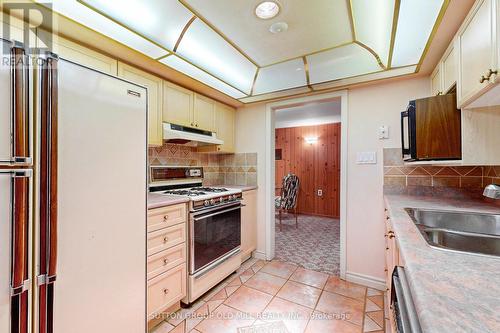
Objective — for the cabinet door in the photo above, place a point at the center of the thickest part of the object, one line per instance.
(449, 68)
(204, 113)
(436, 82)
(225, 117)
(81, 55)
(248, 224)
(155, 97)
(177, 105)
(476, 52)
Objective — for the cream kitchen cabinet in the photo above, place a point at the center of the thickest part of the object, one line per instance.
(437, 81)
(167, 259)
(248, 224)
(477, 52)
(204, 113)
(81, 55)
(177, 105)
(155, 99)
(392, 259)
(224, 127)
(184, 107)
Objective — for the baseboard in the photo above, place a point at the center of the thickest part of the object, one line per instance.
(259, 255)
(366, 280)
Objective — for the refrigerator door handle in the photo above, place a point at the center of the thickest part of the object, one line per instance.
(20, 108)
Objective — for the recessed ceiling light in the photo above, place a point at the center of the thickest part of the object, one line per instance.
(267, 10)
(278, 27)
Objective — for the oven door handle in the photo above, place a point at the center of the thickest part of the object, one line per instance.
(216, 213)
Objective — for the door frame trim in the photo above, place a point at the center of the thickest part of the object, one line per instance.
(270, 166)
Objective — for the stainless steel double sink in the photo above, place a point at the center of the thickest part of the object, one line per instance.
(468, 232)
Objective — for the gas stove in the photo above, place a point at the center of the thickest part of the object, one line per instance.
(187, 182)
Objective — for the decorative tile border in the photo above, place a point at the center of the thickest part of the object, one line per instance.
(227, 169)
(454, 181)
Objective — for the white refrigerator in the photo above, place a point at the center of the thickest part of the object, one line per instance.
(82, 183)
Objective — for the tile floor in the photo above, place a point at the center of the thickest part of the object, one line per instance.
(315, 244)
(281, 297)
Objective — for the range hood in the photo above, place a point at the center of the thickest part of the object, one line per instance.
(189, 136)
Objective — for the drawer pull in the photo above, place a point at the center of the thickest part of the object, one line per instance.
(391, 236)
(165, 239)
(166, 291)
(387, 217)
(165, 218)
(387, 248)
(165, 261)
(483, 78)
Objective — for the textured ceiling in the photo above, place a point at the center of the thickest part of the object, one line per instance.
(224, 45)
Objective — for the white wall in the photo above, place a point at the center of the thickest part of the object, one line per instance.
(369, 107)
(309, 114)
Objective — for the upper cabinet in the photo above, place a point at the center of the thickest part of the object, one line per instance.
(155, 99)
(477, 52)
(184, 107)
(178, 105)
(81, 55)
(444, 76)
(204, 113)
(224, 127)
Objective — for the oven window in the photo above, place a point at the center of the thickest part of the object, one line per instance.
(215, 236)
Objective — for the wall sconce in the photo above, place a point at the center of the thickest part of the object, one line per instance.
(311, 139)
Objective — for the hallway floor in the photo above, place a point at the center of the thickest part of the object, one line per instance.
(281, 297)
(315, 245)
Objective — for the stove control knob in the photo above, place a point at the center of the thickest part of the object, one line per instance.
(212, 201)
(221, 200)
(206, 203)
(234, 196)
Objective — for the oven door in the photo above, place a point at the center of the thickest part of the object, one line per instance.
(214, 235)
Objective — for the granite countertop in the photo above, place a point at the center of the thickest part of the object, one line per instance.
(452, 292)
(161, 200)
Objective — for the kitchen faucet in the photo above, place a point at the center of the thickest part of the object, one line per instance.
(492, 191)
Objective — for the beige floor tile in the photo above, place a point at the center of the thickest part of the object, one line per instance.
(164, 327)
(335, 304)
(379, 300)
(224, 320)
(349, 289)
(319, 324)
(370, 325)
(248, 300)
(278, 268)
(267, 283)
(373, 292)
(258, 265)
(294, 316)
(311, 278)
(378, 317)
(370, 306)
(300, 293)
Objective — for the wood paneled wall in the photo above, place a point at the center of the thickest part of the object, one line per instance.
(317, 166)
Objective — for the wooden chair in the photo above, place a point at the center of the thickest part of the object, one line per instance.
(288, 198)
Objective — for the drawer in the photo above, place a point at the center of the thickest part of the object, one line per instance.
(166, 216)
(166, 289)
(163, 261)
(165, 238)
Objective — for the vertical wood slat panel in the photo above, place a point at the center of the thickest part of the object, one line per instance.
(316, 165)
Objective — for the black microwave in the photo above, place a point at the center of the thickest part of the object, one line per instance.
(431, 129)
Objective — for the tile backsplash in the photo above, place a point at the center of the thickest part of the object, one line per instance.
(456, 181)
(219, 169)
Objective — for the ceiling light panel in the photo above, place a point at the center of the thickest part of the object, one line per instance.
(286, 75)
(186, 68)
(207, 49)
(373, 24)
(415, 23)
(341, 62)
(161, 21)
(83, 15)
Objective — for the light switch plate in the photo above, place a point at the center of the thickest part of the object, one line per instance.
(368, 157)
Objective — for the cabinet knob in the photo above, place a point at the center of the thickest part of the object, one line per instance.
(391, 236)
(491, 72)
(483, 78)
(192, 124)
(387, 248)
(387, 217)
(165, 239)
(165, 291)
(165, 218)
(165, 261)
(196, 125)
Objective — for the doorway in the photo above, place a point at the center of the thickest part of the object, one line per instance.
(307, 138)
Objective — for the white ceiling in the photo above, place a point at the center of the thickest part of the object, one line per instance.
(308, 115)
(224, 45)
